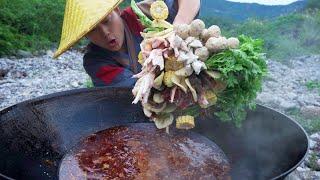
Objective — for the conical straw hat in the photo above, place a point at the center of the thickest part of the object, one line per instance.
(80, 17)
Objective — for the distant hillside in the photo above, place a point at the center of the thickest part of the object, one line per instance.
(242, 11)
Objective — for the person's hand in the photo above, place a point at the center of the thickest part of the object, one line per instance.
(188, 9)
(181, 20)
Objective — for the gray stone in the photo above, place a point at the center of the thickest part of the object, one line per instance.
(317, 175)
(287, 105)
(49, 53)
(292, 96)
(310, 111)
(6, 81)
(74, 84)
(15, 74)
(293, 176)
(3, 73)
(39, 53)
(312, 144)
(24, 54)
(265, 98)
(300, 169)
(315, 137)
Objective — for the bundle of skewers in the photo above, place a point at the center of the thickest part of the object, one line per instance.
(178, 77)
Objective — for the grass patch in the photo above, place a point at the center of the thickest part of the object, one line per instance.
(89, 83)
(313, 161)
(311, 125)
(311, 85)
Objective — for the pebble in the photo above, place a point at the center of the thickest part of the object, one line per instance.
(300, 169)
(75, 84)
(312, 144)
(293, 176)
(315, 137)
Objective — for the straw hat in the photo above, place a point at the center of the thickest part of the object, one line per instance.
(80, 17)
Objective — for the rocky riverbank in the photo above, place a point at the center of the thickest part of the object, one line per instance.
(26, 78)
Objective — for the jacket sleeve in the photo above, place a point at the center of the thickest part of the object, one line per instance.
(107, 73)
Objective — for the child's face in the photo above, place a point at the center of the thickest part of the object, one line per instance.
(109, 34)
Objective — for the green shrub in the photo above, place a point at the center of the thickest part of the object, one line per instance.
(8, 39)
(29, 25)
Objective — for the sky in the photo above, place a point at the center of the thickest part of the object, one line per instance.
(266, 2)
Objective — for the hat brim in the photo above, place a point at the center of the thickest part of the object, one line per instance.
(61, 50)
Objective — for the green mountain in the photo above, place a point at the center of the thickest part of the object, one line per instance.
(242, 11)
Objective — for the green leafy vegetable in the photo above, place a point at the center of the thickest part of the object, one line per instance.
(242, 70)
(153, 29)
(146, 22)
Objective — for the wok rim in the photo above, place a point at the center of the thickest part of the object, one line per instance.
(83, 90)
(307, 138)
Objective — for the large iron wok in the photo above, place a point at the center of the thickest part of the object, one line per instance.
(34, 135)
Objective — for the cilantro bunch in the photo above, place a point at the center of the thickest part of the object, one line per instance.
(242, 70)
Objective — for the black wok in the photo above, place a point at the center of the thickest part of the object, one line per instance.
(34, 135)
